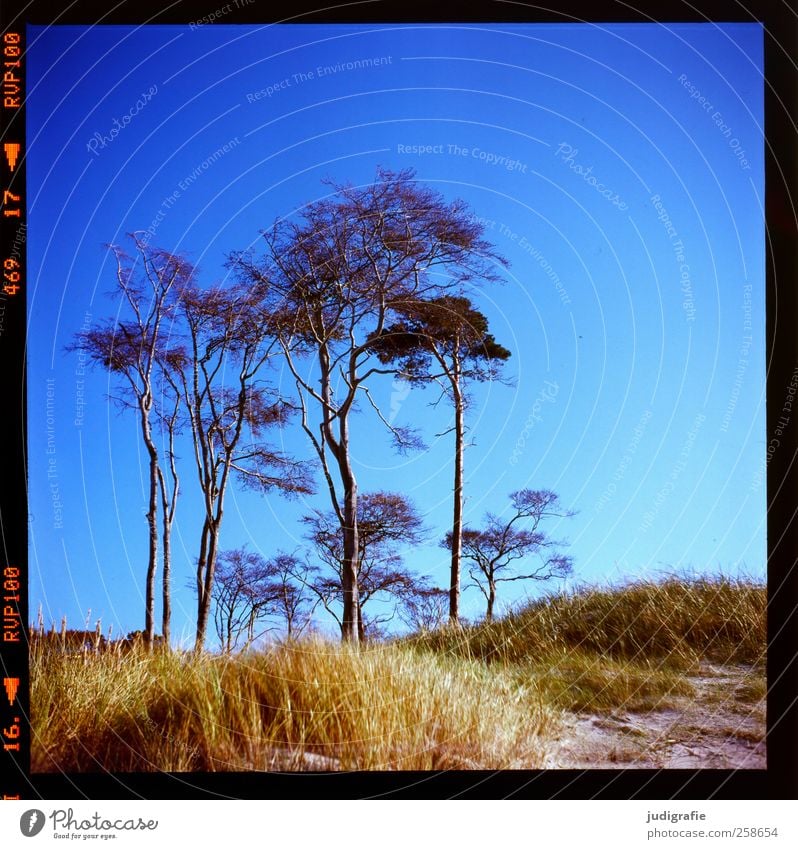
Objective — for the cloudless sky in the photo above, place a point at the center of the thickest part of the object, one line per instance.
(618, 168)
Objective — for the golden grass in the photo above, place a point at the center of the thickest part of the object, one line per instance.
(620, 647)
(676, 621)
(579, 681)
(308, 705)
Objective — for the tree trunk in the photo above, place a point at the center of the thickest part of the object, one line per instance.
(457, 520)
(168, 505)
(339, 448)
(351, 561)
(250, 629)
(350, 628)
(361, 628)
(207, 579)
(201, 564)
(152, 566)
(168, 518)
(152, 522)
(491, 601)
(167, 572)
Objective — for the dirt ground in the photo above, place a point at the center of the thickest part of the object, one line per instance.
(721, 727)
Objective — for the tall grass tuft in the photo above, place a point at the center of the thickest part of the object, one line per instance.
(307, 705)
(677, 621)
(602, 648)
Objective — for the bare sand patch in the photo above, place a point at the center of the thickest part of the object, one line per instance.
(721, 727)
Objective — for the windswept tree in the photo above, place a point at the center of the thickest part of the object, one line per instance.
(494, 550)
(329, 280)
(445, 340)
(230, 407)
(135, 347)
(387, 522)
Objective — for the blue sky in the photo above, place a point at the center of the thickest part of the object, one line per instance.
(618, 168)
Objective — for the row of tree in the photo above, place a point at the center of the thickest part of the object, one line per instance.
(366, 282)
(254, 595)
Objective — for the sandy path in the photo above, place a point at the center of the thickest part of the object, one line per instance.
(721, 727)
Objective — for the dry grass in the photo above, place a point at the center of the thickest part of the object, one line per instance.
(307, 705)
(676, 621)
(629, 647)
(580, 681)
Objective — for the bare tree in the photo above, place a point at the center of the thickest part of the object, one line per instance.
(133, 348)
(501, 542)
(445, 340)
(240, 595)
(291, 600)
(329, 282)
(387, 521)
(230, 407)
(426, 609)
(250, 592)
